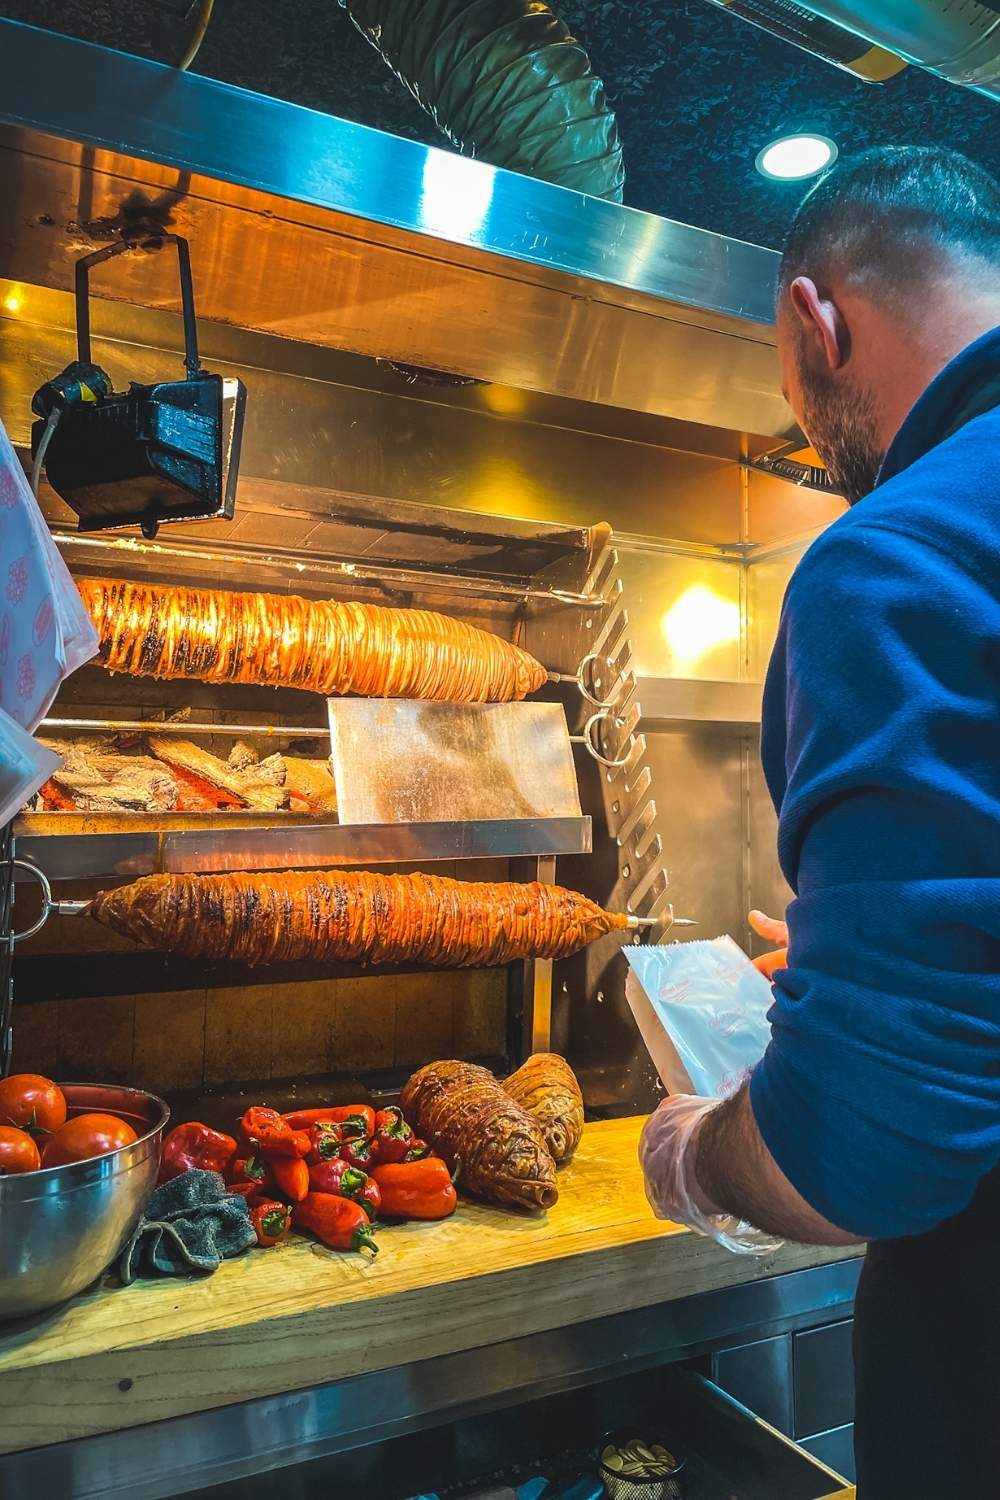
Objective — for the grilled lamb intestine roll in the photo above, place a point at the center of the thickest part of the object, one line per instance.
(546, 1087)
(356, 915)
(170, 631)
(472, 1122)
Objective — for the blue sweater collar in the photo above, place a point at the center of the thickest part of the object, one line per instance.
(968, 386)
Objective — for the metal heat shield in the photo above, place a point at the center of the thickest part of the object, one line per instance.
(396, 761)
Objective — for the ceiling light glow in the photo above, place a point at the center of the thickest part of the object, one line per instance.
(795, 156)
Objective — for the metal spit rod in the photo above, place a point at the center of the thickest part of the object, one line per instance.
(52, 908)
(634, 923)
(189, 727)
(185, 727)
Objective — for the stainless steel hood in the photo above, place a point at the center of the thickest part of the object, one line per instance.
(317, 229)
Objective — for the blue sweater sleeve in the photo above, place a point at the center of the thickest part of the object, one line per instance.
(879, 1096)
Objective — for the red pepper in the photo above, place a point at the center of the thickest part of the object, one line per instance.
(333, 1114)
(359, 1154)
(416, 1189)
(336, 1221)
(337, 1177)
(418, 1151)
(193, 1146)
(392, 1138)
(247, 1169)
(291, 1176)
(266, 1129)
(253, 1192)
(327, 1139)
(272, 1221)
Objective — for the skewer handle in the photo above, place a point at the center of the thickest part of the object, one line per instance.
(635, 923)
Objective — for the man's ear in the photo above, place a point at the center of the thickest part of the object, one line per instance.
(822, 322)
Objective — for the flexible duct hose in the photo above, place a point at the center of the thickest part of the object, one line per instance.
(506, 82)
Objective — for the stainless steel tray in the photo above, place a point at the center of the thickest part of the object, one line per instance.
(150, 850)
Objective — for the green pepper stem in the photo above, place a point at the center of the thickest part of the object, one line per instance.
(364, 1239)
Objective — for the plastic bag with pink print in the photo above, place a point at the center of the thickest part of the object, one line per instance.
(45, 632)
(702, 1010)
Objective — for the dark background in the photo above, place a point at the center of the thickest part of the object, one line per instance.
(697, 92)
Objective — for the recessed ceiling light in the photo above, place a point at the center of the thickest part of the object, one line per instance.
(794, 156)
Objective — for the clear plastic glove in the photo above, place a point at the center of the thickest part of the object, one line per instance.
(667, 1154)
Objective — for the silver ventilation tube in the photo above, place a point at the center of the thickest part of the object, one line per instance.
(959, 40)
(506, 82)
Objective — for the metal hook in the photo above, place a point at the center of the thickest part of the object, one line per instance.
(577, 677)
(50, 908)
(587, 739)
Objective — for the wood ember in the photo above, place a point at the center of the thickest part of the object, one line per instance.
(253, 788)
(177, 775)
(100, 782)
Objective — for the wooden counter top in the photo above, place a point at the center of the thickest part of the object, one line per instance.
(298, 1315)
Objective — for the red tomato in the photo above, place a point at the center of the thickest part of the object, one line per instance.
(86, 1136)
(32, 1102)
(18, 1152)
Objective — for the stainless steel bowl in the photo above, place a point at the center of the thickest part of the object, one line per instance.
(61, 1227)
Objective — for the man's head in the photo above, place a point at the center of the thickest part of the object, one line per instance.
(892, 266)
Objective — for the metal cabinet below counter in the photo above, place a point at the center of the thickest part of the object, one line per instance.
(728, 1452)
(802, 1382)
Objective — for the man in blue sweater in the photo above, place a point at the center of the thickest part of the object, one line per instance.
(875, 1113)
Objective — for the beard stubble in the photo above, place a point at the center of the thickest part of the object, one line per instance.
(840, 422)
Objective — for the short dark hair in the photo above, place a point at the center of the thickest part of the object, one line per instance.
(886, 212)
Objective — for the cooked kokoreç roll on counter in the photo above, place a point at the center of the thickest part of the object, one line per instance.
(353, 916)
(153, 630)
(546, 1087)
(468, 1118)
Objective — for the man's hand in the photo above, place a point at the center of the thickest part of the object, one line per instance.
(699, 1153)
(772, 931)
(735, 1169)
(668, 1152)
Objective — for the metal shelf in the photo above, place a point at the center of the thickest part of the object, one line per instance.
(150, 851)
(668, 700)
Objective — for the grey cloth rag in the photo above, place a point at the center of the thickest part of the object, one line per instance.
(191, 1224)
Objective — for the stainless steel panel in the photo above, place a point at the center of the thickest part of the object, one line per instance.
(760, 1376)
(697, 778)
(824, 1378)
(685, 611)
(401, 762)
(318, 229)
(127, 333)
(767, 580)
(836, 1449)
(673, 700)
(777, 511)
(302, 847)
(329, 430)
(231, 1443)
